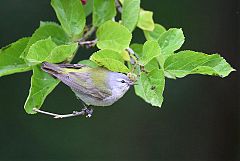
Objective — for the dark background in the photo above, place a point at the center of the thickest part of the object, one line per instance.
(199, 119)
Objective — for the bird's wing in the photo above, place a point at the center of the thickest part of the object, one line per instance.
(75, 66)
(82, 82)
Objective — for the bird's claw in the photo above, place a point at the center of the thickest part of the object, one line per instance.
(88, 112)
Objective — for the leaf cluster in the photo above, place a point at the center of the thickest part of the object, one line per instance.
(151, 63)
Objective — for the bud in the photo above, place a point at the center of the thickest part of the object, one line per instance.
(84, 2)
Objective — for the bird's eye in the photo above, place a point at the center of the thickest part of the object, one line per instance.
(123, 81)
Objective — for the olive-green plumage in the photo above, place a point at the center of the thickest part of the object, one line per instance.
(94, 86)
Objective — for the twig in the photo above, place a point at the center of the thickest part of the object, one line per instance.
(118, 6)
(44, 112)
(75, 113)
(131, 52)
(88, 44)
(88, 34)
(85, 111)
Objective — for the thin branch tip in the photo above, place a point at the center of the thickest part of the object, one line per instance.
(84, 111)
(118, 6)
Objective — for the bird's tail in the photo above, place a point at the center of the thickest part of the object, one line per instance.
(58, 69)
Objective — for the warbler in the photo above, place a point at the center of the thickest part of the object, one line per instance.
(94, 86)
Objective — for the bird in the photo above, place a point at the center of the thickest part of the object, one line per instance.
(96, 86)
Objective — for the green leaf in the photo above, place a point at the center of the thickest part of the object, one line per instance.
(171, 40)
(103, 10)
(125, 55)
(88, 7)
(110, 59)
(155, 34)
(112, 35)
(130, 13)
(40, 51)
(62, 53)
(150, 87)
(153, 64)
(145, 21)
(169, 75)
(137, 48)
(71, 15)
(47, 29)
(47, 50)
(88, 63)
(121, 1)
(151, 50)
(43, 23)
(41, 85)
(10, 61)
(191, 62)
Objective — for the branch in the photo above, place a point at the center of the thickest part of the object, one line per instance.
(131, 52)
(85, 111)
(87, 34)
(88, 44)
(118, 6)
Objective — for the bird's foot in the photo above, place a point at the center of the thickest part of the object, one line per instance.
(88, 111)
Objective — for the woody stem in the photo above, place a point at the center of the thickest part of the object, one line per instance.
(118, 6)
(84, 111)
